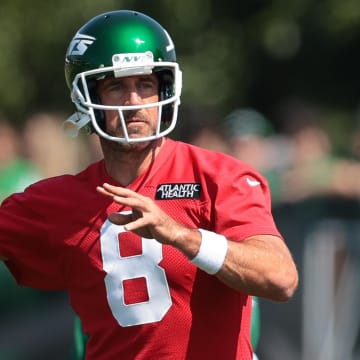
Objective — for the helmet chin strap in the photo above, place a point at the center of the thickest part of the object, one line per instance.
(75, 123)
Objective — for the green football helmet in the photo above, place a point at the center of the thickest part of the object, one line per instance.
(121, 43)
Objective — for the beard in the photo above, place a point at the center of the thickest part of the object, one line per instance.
(137, 125)
(124, 147)
(128, 147)
(134, 130)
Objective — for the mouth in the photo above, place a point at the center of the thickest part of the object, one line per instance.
(133, 117)
(134, 121)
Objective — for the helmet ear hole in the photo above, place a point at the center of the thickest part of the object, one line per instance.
(99, 114)
(166, 91)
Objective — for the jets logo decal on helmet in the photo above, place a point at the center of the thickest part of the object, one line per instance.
(171, 45)
(80, 44)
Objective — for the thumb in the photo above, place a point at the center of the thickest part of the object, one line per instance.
(120, 219)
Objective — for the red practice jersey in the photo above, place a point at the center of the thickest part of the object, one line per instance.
(138, 299)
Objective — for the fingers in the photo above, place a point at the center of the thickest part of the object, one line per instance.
(120, 219)
(136, 224)
(142, 207)
(111, 190)
(108, 190)
(122, 195)
(102, 191)
(125, 197)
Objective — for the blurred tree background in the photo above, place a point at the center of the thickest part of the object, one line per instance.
(258, 53)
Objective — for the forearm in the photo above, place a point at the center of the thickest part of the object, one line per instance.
(260, 265)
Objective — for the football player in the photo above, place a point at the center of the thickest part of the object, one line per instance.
(160, 244)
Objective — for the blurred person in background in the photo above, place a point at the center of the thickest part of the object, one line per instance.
(51, 151)
(16, 172)
(315, 169)
(252, 138)
(201, 127)
(161, 244)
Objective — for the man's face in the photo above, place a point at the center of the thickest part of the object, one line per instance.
(132, 90)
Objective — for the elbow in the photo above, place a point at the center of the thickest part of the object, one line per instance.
(286, 286)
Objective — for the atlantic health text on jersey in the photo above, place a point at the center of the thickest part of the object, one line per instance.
(178, 191)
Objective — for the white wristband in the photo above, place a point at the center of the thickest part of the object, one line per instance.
(212, 252)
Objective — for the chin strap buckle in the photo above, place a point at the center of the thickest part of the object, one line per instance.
(74, 123)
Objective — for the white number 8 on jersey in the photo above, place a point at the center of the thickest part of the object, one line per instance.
(118, 269)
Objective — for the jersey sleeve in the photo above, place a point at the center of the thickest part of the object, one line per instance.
(25, 242)
(243, 205)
